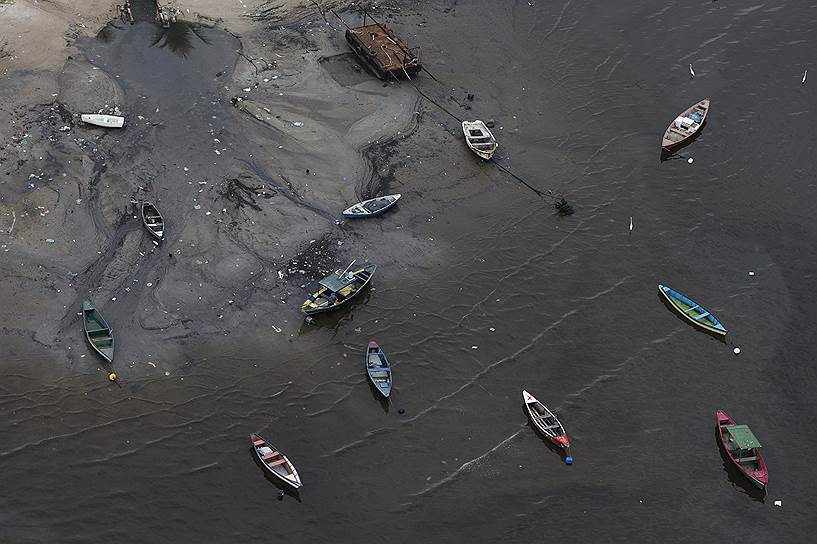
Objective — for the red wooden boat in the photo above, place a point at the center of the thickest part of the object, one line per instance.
(742, 448)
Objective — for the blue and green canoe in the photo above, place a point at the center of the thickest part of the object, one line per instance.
(692, 311)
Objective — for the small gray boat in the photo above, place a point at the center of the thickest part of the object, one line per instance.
(99, 334)
(371, 207)
(153, 220)
(479, 138)
(379, 369)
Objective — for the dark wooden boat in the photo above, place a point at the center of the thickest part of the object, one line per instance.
(379, 369)
(686, 125)
(382, 51)
(372, 207)
(153, 220)
(479, 139)
(742, 448)
(548, 424)
(338, 288)
(275, 462)
(692, 311)
(97, 331)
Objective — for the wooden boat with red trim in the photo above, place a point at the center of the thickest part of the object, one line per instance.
(275, 462)
(742, 448)
(686, 125)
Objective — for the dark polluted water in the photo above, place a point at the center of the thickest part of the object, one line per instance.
(496, 294)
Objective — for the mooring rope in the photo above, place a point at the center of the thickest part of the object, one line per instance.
(542, 194)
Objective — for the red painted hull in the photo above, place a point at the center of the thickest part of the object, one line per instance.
(759, 477)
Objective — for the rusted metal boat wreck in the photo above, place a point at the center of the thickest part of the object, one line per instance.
(382, 51)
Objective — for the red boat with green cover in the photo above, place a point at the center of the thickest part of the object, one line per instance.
(742, 448)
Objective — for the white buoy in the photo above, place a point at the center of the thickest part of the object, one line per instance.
(690, 160)
(804, 77)
(691, 71)
(736, 350)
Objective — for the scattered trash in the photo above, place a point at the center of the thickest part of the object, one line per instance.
(691, 71)
(474, 347)
(690, 160)
(751, 273)
(167, 373)
(151, 363)
(197, 207)
(66, 128)
(401, 411)
(780, 503)
(631, 223)
(298, 123)
(50, 241)
(112, 377)
(804, 77)
(736, 350)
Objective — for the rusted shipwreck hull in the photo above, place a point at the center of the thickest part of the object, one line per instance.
(382, 51)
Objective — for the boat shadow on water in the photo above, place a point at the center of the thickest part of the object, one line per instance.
(738, 479)
(385, 402)
(720, 338)
(282, 487)
(550, 445)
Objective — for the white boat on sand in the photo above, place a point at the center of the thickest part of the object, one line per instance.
(102, 120)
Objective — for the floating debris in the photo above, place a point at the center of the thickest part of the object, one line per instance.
(691, 71)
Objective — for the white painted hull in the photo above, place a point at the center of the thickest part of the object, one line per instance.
(100, 120)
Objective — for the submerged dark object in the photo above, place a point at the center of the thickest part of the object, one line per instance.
(382, 51)
(563, 207)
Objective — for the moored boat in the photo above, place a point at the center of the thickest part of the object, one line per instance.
(378, 368)
(275, 461)
(692, 311)
(152, 220)
(548, 424)
(338, 288)
(479, 138)
(97, 331)
(742, 448)
(686, 125)
(102, 120)
(382, 50)
(371, 207)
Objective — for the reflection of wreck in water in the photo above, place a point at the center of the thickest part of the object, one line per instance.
(382, 51)
(178, 37)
